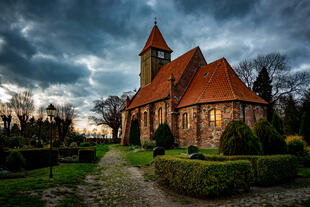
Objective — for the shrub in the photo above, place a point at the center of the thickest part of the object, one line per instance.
(304, 127)
(272, 142)
(277, 123)
(295, 145)
(268, 170)
(192, 149)
(68, 151)
(238, 139)
(87, 154)
(15, 142)
(163, 136)
(15, 161)
(57, 143)
(38, 158)
(149, 144)
(134, 135)
(77, 138)
(85, 144)
(203, 178)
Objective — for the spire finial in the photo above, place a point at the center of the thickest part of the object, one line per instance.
(155, 21)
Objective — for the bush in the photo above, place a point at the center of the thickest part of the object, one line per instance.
(163, 136)
(77, 138)
(85, 144)
(296, 145)
(134, 135)
(238, 139)
(277, 123)
(16, 142)
(192, 149)
(38, 158)
(68, 151)
(203, 178)
(57, 143)
(87, 154)
(15, 161)
(149, 145)
(272, 142)
(268, 170)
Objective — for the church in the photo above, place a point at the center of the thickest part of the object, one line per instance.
(195, 98)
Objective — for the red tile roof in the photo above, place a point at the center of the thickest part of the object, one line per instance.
(160, 86)
(156, 40)
(216, 82)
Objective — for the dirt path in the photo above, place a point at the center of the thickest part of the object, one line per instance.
(115, 183)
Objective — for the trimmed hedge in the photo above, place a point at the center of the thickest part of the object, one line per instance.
(68, 151)
(201, 178)
(37, 158)
(87, 154)
(268, 170)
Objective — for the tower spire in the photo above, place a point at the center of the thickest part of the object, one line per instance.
(155, 20)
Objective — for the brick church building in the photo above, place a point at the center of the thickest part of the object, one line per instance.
(197, 99)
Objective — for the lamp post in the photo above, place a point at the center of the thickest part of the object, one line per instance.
(50, 110)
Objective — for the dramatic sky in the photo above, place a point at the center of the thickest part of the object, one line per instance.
(69, 51)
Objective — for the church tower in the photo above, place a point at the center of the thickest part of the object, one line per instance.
(154, 55)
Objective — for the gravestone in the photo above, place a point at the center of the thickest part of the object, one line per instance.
(158, 151)
(196, 156)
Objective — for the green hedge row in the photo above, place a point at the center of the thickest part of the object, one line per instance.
(268, 170)
(202, 178)
(37, 158)
(87, 154)
(68, 151)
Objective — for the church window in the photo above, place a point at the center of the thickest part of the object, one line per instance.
(215, 118)
(160, 116)
(185, 121)
(161, 54)
(145, 118)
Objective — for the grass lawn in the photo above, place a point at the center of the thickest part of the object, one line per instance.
(11, 190)
(146, 157)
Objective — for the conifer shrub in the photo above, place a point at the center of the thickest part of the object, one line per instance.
(134, 135)
(163, 136)
(296, 145)
(15, 161)
(238, 139)
(272, 142)
(305, 127)
(203, 178)
(192, 149)
(277, 123)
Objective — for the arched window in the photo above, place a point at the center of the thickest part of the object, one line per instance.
(145, 118)
(160, 116)
(215, 118)
(185, 121)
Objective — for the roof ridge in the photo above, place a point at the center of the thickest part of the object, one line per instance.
(228, 77)
(208, 85)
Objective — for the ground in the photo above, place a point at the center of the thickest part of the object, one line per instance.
(116, 182)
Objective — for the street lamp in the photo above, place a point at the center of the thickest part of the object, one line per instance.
(50, 110)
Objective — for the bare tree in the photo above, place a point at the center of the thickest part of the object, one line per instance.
(40, 117)
(23, 106)
(109, 113)
(6, 116)
(64, 117)
(283, 80)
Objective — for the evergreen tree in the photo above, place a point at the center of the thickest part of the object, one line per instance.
(291, 118)
(305, 127)
(134, 135)
(277, 123)
(262, 87)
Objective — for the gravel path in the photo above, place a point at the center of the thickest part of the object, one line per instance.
(115, 183)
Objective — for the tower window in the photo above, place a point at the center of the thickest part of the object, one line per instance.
(145, 118)
(185, 121)
(215, 118)
(161, 54)
(160, 116)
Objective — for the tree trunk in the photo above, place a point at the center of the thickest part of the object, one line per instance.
(114, 134)
(9, 128)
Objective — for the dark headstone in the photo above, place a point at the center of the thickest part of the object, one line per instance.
(192, 149)
(158, 151)
(196, 156)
